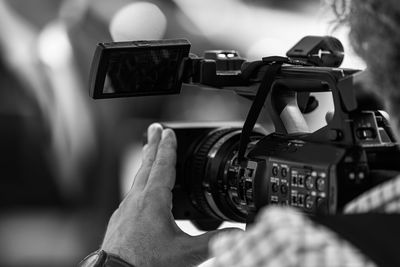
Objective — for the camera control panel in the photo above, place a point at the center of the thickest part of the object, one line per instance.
(287, 184)
(298, 186)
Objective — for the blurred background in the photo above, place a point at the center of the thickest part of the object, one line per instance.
(67, 160)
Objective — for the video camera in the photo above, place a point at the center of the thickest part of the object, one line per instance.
(231, 172)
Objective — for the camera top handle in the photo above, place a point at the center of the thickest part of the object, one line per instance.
(280, 89)
(281, 82)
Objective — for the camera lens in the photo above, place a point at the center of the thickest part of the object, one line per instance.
(211, 175)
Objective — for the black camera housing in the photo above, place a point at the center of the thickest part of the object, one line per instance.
(317, 173)
(231, 172)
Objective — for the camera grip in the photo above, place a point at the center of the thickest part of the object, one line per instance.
(283, 106)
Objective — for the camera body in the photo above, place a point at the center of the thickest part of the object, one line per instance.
(230, 171)
(318, 173)
(278, 171)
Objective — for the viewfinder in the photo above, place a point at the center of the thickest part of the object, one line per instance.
(138, 68)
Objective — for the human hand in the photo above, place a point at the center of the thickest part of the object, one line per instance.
(142, 231)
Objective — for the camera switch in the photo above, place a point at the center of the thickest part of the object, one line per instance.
(275, 187)
(300, 180)
(294, 200)
(366, 133)
(294, 180)
(300, 200)
(321, 184)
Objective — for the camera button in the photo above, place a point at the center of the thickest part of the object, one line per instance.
(309, 202)
(249, 194)
(284, 189)
(284, 172)
(321, 184)
(309, 182)
(275, 171)
(275, 187)
(322, 204)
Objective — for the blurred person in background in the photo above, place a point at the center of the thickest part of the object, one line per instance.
(142, 231)
(55, 186)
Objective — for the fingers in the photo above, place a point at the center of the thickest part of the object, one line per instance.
(154, 133)
(163, 172)
(329, 116)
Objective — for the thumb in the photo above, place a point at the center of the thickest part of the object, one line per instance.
(200, 244)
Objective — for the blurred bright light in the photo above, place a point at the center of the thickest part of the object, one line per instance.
(262, 31)
(54, 48)
(267, 46)
(138, 21)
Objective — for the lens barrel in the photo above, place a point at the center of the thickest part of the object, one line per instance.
(210, 178)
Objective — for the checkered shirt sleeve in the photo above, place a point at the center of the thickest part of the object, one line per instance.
(384, 198)
(284, 237)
